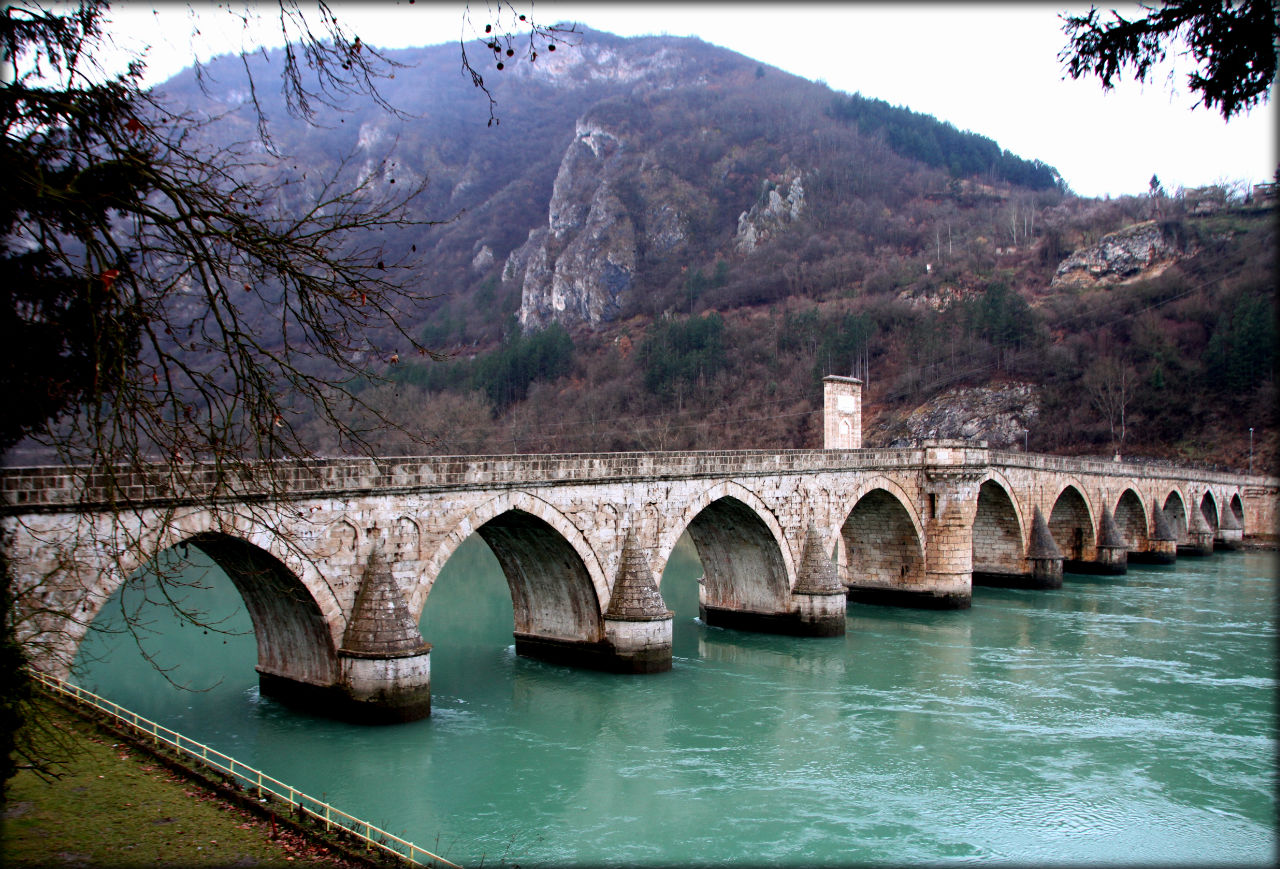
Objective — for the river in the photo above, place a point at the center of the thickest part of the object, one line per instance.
(1119, 719)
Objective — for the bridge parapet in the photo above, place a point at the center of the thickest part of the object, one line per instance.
(75, 488)
(68, 487)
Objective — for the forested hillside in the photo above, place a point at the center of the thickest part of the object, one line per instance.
(728, 234)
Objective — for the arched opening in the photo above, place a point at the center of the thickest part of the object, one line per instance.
(468, 619)
(742, 568)
(1131, 519)
(293, 640)
(680, 586)
(204, 615)
(1209, 510)
(1176, 512)
(883, 552)
(997, 537)
(552, 596)
(1072, 528)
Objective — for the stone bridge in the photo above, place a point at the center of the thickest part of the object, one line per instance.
(336, 563)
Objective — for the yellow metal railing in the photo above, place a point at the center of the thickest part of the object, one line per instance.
(247, 776)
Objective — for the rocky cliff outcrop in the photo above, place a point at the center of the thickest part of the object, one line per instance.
(780, 203)
(579, 267)
(999, 415)
(1137, 251)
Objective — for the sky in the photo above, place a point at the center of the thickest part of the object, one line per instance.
(989, 68)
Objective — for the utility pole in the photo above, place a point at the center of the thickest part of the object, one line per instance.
(1251, 450)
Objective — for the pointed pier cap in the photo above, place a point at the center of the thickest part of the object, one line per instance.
(1109, 532)
(817, 570)
(1229, 521)
(1162, 528)
(635, 597)
(1042, 542)
(381, 625)
(1199, 525)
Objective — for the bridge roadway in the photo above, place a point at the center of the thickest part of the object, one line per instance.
(335, 558)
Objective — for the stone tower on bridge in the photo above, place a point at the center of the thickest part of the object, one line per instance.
(841, 413)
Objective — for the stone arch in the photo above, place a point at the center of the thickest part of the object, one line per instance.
(275, 540)
(1175, 510)
(1131, 519)
(558, 589)
(295, 641)
(867, 485)
(1209, 509)
(882, 543)
(998, 530)
(674, 528)
(746, 564)
(315, 622)
(1072, 524)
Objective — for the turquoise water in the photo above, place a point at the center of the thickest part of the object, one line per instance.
(1125, 719)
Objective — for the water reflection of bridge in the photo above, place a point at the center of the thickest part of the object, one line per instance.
(335, 558)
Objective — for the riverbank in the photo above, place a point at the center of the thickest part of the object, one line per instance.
(116, 803)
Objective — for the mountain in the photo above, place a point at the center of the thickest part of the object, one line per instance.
(665, 244)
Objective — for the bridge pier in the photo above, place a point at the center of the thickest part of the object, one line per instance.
(1044, 554)
(1162, 543)
(589, 654)
(814, 614)
(1111, 556)
(1199, 535)
(1230, 533)
(951, 496)
(383, 666)
(818, 594)
(637, 624)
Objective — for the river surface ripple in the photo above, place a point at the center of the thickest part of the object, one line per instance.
(1121, 719)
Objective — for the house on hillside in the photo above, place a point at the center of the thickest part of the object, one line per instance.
(1264, 195)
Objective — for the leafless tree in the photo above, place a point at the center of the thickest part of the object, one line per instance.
(141, 262)
(1110, 383)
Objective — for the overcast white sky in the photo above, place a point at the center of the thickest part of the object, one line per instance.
(990, 68)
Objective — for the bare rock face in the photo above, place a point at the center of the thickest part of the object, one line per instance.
(579, 268)
(780, 203)
(1137, 251)
(483, 258)
(998, 415)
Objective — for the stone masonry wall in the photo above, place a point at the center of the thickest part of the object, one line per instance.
(917, 507)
